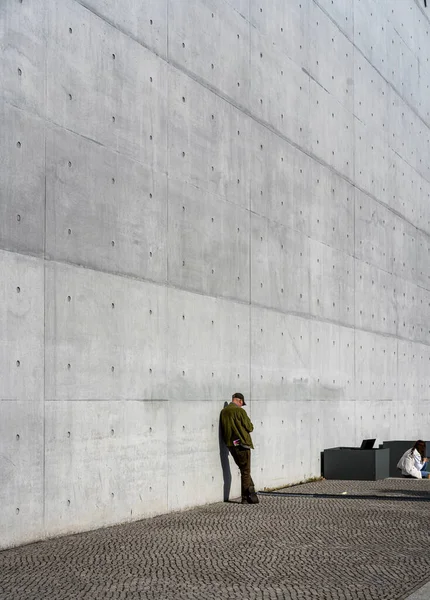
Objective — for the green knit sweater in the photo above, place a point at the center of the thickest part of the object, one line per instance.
(236, 424)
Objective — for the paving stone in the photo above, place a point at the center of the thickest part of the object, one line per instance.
(302, 542)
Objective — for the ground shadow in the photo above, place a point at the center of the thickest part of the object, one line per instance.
(225, 464)
(353, 496)
(411, 493)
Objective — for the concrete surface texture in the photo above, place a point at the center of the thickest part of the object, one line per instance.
(317, 543)
(199, 197)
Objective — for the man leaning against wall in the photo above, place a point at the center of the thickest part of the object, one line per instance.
(236, 428)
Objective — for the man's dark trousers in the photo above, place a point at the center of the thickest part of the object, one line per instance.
(242, 457)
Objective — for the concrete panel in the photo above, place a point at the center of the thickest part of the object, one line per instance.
(422, 421)
(281, 454)
(413, 304)
(334, 425)
(208, 243)
(330, 209)
(422, 145)
(398, 115)
(84, 488)
(423, 352)
(403, 188)
(371, 97)
(371, 159)
(423, 320)
(375, 420)
(406, 420)
(423, 222)
(413, 419)
(414, 142)
(208, 140)
(405, 18)
(370, 33)
(279, 266)
(421, 36)
(105, 336)
(397, 424)
(280, 356)
(22, 181)
(208, 355)
(404, 127)
(286, 24)
(331, 131)
(21, 472)
(375, 366)
(94, 88)
(279, 90)
(408, 370)
(194, 431)
(298, 432)
(408, 297)
(145, 22)
(405, 250)
(22, 69)
(211, 41)
(21, 326)
(375, 299)
(280, 181)
(421, 134)
(104, 210)
(332, 283)
(374, 232)
(403, 66)
(331, 362)
(242, 7)
(341, 12)
(326, 372)
(330, 57)
(423, 108)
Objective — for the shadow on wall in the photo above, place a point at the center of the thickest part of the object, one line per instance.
(223, 454)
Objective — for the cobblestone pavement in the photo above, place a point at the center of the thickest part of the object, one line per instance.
(331, 546)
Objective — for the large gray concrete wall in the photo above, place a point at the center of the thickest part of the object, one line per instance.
(200, 197)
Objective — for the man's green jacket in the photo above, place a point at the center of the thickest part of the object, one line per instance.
(236, 425)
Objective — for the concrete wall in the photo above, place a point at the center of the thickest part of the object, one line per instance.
(199, 197)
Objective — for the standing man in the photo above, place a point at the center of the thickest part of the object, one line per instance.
(236, 427)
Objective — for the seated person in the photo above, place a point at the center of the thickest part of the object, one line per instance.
(413, 463)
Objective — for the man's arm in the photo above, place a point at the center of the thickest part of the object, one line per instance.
(246, 421)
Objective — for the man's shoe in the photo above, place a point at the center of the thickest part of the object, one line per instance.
(252, 496)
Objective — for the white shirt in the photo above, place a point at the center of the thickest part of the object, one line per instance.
(411, 463)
